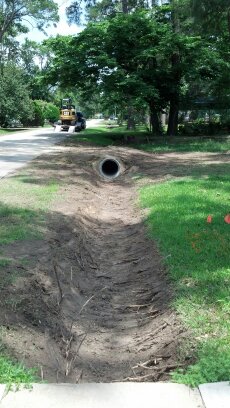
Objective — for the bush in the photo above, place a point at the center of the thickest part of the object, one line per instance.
(43, 111)
(199, 128)
(225, 122)
(51, 112)
(15, 103)
(38, 118)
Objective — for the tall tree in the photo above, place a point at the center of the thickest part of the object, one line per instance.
(15, 13)
(211, 16)
(15, 103)
(97, 10)
(176, 72)
(128, 56)
(211, 76)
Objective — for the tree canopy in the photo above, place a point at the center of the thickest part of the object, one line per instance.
(132, 54)
(15, 13)
(139, 57)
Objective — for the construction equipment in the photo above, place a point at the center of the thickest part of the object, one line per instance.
(69, 119)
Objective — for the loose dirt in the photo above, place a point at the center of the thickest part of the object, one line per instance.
(93, 301)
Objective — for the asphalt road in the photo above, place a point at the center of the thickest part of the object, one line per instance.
(21, 147)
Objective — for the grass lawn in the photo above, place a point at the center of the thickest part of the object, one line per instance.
(186, 145)
(141, 139)
(197, 255)
(23, 208)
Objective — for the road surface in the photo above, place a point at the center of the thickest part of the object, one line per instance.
(21, 147)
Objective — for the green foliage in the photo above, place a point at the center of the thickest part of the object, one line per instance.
(211, 17)
(15, 103)
(51, 112)
(141, 59)
(225, 121)
(199, 127)
(39, 117)
(197, 256)
(13, 14)
(123, 59)
(43, 111)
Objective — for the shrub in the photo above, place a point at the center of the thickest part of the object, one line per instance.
(43, 111)
(39, 118)
(199, 128)
(51, 112)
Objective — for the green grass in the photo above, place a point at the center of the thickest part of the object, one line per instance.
(105, 136)
(23, 208)
(98, 136)
(186, 145)
(142, 140)
(28, 192)
(12, 373)
(18, 224)
(213, 364)
(4, 262)
(198, 258)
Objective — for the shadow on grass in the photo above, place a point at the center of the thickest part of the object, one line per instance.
(143, 140)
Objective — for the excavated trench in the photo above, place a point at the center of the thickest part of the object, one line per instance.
(96, 304)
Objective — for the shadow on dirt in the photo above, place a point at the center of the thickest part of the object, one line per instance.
(137, 164)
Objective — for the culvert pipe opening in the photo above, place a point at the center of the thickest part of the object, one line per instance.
(109, 168)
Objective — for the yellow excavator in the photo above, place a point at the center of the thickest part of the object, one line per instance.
(69, 119)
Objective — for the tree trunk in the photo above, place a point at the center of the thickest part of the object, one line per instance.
(176, 72)
(155, 127)
(174, 99)
(130, 121)
(228, 18)
(173, 116)
(124, 5)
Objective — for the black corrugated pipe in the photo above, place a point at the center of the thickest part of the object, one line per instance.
(109, 168)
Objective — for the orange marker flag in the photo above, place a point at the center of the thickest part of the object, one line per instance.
(227, 218)
(209, 219)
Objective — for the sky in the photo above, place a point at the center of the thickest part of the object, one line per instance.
(62, 27)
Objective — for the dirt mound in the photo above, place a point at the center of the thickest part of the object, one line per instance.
(94, 302)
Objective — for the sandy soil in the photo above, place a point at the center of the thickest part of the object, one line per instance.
(93, 301)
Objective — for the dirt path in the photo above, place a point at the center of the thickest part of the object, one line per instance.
(95, 302)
